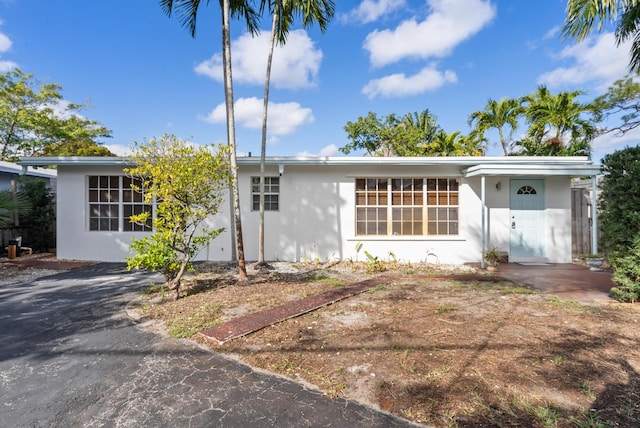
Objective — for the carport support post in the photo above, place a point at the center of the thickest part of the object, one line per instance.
(594, 214)
(484, 228)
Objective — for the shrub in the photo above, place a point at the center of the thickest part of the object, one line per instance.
(626, 274)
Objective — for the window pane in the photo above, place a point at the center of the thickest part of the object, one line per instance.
(396, 214)
(418, 200)
(382, 228)
(360, 199)
(453, 199)
(360, 184)
(396, 229)
(382, 214)
(443, 198)
(453, 228)
(432, 228)
(114, 182)
(431, 198)
(442, 228)
(396, 184)
(361, 228)
(453, 214)
(93, 224)
(431, 184)
(382, 200)
(104, 181)
(93, 181)
(442, 184)
(93, 196)
(453, 185)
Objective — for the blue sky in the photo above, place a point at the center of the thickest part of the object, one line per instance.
(144, 75)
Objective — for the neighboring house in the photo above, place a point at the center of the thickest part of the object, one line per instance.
(9, 173)
(437, 209)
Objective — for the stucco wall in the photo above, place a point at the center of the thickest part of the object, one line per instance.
(316, 219)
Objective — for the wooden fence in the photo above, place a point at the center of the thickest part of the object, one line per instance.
(581, 221)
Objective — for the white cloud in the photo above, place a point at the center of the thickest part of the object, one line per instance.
(7, 66)
(329, 150)
(118, 149)
(596, 59)
(399, 85)
(370, 10)
(450, 23)
(295, 64)
(609, 143)
(554, 31)
(283, 119)
(5, 43)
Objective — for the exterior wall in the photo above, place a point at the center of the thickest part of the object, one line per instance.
(316, 218)
(558, 237)
(74, 240)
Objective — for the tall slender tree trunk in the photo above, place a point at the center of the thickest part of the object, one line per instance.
(231, 135)
(263, 152)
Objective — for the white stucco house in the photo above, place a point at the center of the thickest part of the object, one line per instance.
(445, 209)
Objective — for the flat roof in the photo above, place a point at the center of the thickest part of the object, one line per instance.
(490, 163)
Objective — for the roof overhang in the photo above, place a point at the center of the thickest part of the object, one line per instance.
(539, 169)
(471, 166)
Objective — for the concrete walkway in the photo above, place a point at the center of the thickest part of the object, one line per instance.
(566, 281)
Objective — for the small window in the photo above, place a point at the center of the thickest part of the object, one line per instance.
(271, 193)
(526, 190)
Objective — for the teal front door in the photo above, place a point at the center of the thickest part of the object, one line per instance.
(527, 218)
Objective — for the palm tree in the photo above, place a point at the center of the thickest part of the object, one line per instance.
(583, 15)
(283, 11)
(553, 119)
(453, 144)
(187, 11)
(424, 121)
(12, 204)
(497, 114)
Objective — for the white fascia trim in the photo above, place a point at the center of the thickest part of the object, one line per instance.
(578, 170)
(73, 160)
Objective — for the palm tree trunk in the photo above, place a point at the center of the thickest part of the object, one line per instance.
(263, 151)
(231, 135)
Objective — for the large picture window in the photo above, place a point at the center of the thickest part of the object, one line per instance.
(407, 206)
(112, 201)
(271, 193)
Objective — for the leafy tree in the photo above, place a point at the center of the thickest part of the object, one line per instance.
(497, 114)
(557, 126)
(187, 183)
(38, 222)
(187, 11)
(584, 15)
(34, 122)
(283, 12)
(391, 136)
(622, 98)
(619, 203)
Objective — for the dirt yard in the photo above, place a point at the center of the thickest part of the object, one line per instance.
(444, 352)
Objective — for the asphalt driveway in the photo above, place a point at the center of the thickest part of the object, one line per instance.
(71, 357)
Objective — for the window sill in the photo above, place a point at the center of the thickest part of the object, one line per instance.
(407, 238)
